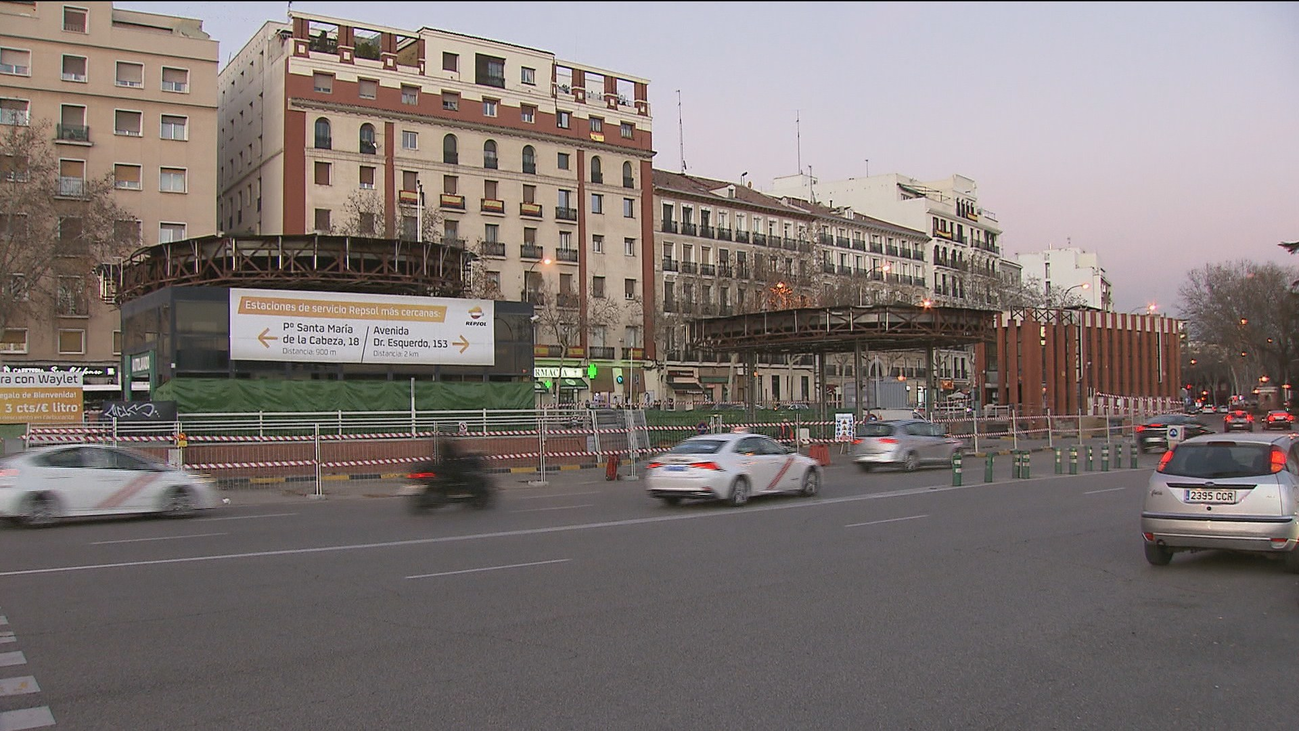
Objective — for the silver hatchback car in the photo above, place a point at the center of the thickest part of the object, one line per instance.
(1236, 493)
(908, 444)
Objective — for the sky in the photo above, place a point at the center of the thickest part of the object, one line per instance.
(1160, 136)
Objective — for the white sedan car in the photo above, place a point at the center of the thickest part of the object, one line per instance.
(42, 485)
(731, 467)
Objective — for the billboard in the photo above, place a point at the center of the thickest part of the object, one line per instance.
(36, 397)
(336, 327)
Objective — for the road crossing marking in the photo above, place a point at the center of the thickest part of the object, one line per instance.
(1112, 489)
(561, 507)
(560, 494)
(163, 538)
(890, 520)
(250, 517)
(18, 686)
(489, 568)
(7, 637)
(26, 718)
(10, 659)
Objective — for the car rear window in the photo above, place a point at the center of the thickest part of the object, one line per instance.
(698, 446)
(875, 430)
(1215, 460)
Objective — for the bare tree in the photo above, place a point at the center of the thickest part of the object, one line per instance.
(57, 229)
(479, 282)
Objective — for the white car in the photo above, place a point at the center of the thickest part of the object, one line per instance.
(42, 485)
(731, 467)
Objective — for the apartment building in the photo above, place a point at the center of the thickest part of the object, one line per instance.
(538, 166)
(1067, 277)
(126, 94)
(725, 249)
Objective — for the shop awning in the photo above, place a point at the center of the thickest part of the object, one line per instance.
(573, 384)
(685, 385)
(539, 387)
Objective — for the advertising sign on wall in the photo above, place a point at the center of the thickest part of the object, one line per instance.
(333, 327)
(34, 397)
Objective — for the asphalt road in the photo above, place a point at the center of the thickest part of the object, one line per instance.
(889, 601)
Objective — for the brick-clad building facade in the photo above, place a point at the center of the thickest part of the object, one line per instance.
(1066, 361)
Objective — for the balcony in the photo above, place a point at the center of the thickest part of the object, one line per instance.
(789, 244)
(531, 251)
(368, 147)
(805, 247)
(892, 251)
(568, 300)
(491, 205)
(669, 306)
(842, 241)
(628, 183)
(723, 234)
(530, 168)
(742, 237)
(741, 271)
(708, 270)
(759, 239)
(324, 142)
(72, 133)
(633, 353)
(453, 241)
(324, 44)
(669, 227)
(844, 269)
(533, 297)
(494, 248)
(602, 352)
(725, 270)
(827, 268)
(825, 239)
(670, 265)
(877, 248)
(859, 245)
(565, 214)
(597, 178)
(72, 187)
(451, 158)
(688, 229)
(530, 210)
(450, 200)
(566, 255)
(689, 267)
(706, 231)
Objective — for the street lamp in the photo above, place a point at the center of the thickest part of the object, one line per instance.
(1150, 309)
(1064, 297)
(883, 269)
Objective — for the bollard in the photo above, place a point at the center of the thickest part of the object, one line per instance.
(1090, 464)
(956, 470)
(1027, 464)
(1105, 458)
(987, 467)
(1073, 460)
(1059, 461)
(1133, 453)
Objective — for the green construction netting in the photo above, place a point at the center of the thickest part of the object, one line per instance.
(204, 395)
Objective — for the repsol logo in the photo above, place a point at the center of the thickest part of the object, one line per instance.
(475, 323)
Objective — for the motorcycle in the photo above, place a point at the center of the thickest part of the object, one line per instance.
(430, 485)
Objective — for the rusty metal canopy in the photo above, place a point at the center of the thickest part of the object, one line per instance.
(841, 329)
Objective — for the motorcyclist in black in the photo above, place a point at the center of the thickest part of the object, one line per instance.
(456, 466)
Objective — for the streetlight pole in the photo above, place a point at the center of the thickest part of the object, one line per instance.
(419, 212)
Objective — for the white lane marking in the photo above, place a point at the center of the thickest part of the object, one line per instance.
(18, 686)
(561, 507)
(890, 520)
(6, 638)
(716, 514)
(10, 659)
(4, 619)
(26, 718)
(163, 538)
(489, 568)
(1112, 489)
(249, 517)
(558, 494)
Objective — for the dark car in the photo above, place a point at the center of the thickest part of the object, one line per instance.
(1153, 432)
(1238, 420)
(1278, 419)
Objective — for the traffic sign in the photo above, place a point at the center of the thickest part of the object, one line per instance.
(1174, 434)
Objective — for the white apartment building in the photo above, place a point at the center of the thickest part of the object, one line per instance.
(1068, 277)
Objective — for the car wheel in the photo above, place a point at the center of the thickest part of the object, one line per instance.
(865, 466)
(40, 511)
(1291, 561)
(811, 483)
(739, 492)
(427, 499)
(179, 503)
(484, 498)
(1158, 555)
(671, 500)
(911, 462)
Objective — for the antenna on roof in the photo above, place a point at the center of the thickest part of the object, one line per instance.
(288, 12)
(681, 138)
(798, 138)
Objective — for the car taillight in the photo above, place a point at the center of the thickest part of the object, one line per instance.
(708, 466)
(652, 465)
(421, 475)
(1164, 460)
(9, 473)
(1141, 428)
(1278, 460)
(856, 441)
(888, 440)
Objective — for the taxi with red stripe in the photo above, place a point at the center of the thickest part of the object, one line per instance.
(43, 485)
(731, 467)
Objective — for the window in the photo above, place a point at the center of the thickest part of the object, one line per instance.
(130, 74)
(628, 207)
(173, 128)
(368, 144)
(564, 120)
(15, 62)
(529, 159)
(128, 123)
(629, 247)
(564, 198)
(72, 342)
(323, 139)
(562, 161)
(450, 184)
(367, 177)
(13, 341)
(127, 232)
(367, 88)
(528, 114)
(597, 243)
(168, 232)
(322, 83)
(530, 236)
(409, 180)
(492, 233)
(490, 190)
(171, 180)
(127, 177)
(597, 287)
(566, 240)
(489, 155)
(626, 129)
(450, 101)
(175, 80)
(450, 155)
(72, 178)
(71, 300)
(597, 170)
(629, 292)
(366, 222)
(597, 204)
(74, 69)
(450, 61)
(529, 194)
(117, 342)
(409, 140)
(74, 20)
(528, 76)
(322, 173)
(597, 125)
(490, 71)
(15, 111)
(489, 107)
(410, 95)
(322, 220)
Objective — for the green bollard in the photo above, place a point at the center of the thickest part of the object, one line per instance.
(1105, 458)
(1090, 463)
(1073, 460)
(1027, 464)
(987, 467)
(1134, 452)
(1059, 461)
(956, 470)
